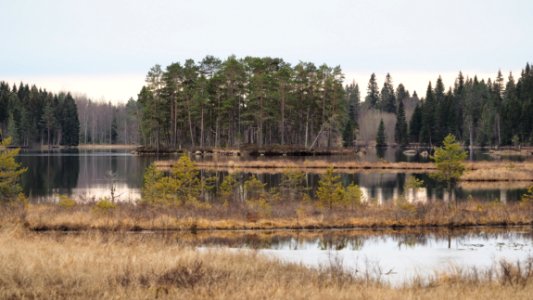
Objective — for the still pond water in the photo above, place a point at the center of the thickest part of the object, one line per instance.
(87, 175)
(393, 257)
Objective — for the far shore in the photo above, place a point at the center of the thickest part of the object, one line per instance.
(86, 147)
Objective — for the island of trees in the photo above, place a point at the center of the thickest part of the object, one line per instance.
(264, 101)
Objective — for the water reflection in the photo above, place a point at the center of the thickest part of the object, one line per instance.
(404, 254)
(84, 175)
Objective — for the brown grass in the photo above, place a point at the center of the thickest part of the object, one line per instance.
(125, 266)
(475, 171)
(283, 215)
(502, 171)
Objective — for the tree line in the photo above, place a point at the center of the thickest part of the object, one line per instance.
(251, 100)
(30, 115)
(477, 112)
(33, 116)
(266, 101)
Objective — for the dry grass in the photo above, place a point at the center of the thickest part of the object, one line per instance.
(502, 171)
(281, 215)
(475, 171)
(125, 266)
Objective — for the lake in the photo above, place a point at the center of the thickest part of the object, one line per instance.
(87, 175)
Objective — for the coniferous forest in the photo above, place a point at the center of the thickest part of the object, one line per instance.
(34, 116)
(267, 101)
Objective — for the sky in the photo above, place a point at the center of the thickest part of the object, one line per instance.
(104, 48)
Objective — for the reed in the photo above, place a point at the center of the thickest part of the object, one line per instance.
(281, 215)
(124, 266)
(475, 171)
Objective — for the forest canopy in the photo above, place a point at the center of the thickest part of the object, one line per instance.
(264, 101)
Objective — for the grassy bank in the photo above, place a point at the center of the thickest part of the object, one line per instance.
(277, 215)
(122, 266)
(475, 171)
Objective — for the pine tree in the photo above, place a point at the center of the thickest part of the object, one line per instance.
(330, 191)
(10, 172)
(381, 139)
(449, 160)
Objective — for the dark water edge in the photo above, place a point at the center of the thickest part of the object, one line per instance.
(87, 175)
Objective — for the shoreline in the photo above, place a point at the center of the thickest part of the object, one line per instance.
(281, 216)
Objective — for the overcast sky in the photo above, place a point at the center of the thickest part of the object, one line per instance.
(105, 48)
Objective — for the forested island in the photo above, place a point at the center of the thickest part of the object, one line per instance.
(263, 101)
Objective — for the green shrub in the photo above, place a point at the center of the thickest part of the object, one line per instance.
(10, 171)
(254, 188)
(413, 183)
(353, 195)
(66, 202)
(227, 188)
(528, 197)
(330, 191)
(104, 205)
(180, 186)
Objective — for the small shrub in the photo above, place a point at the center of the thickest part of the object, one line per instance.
(104, 205)
(10, 172)
(194, 202)
(449, 161)
(330, 190)
(404, 205)
(254, 188)
(227, 188)
(413, 183)
(528, 197)
(66, 202)
(260, 207)
(353, 195)
(293, 184)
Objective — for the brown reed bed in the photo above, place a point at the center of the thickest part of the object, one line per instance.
(124, 266)
(475, 171)
(292, 215)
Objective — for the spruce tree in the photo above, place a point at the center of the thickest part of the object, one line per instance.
(348, 134)
(400, 130)
(388, 99)
(70, 125)
(372, 97)
(427, 129)
(415, 125)
(381, 139)
(401, 93)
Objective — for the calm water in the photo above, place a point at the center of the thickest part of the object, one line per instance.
(393, 257)
(88, 174)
